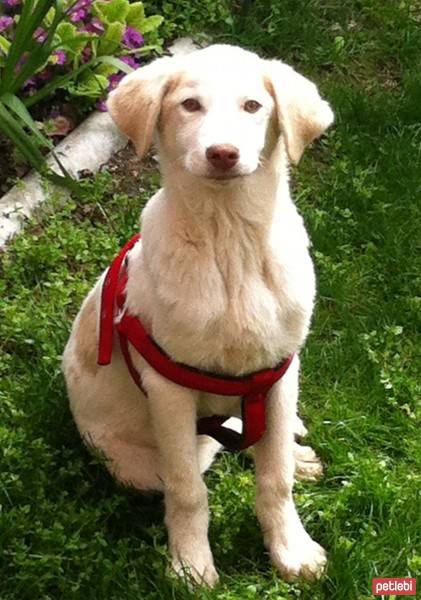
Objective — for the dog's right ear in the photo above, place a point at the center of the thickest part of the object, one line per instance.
(301, 113)
(135, 104)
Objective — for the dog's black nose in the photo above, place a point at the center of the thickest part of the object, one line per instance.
(223, 156)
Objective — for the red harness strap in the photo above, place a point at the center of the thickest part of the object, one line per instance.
(252, 388)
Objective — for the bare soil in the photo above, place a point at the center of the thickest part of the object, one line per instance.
(127, 169)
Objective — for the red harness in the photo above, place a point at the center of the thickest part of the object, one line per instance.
(253, 387)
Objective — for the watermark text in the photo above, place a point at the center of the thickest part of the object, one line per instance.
(397, 586)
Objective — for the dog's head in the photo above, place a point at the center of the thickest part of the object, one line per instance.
(219, 111)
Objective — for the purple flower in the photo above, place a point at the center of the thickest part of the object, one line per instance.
(78, 15)
(132, 38)
(114, 80)
(101, 106)
(11, 3)
(40, 34)
(80, 10)
(59, 57)
(5, 22)
(95, 26)
(30, 86)
(130, 60)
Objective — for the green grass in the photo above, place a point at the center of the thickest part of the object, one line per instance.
(66, 530)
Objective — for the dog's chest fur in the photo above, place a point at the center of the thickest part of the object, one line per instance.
(228, 295)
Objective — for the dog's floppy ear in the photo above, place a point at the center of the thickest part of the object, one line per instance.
(302, 114)
(135, 104)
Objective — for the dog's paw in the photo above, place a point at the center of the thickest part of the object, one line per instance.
(304, 559)
(300, 430)
(196, 570)
(308, 466)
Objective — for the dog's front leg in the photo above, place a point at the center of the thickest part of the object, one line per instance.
(173, 413)
(291, 549)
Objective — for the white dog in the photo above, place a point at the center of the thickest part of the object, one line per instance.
(223, 282)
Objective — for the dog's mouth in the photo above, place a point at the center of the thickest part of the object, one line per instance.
(223, 177)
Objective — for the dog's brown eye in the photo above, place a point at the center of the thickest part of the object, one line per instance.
(191, 104)
(252, 106)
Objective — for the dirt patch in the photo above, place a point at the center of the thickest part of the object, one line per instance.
(127, 170)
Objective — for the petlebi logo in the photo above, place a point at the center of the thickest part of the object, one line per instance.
(394, 586)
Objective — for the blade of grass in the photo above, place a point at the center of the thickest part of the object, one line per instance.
(15, 132)
(38, 53)
(146, 50)
(18, 107)
(23, 43)
(38, 56)
(115, 62)
(24, 31)
(37, 17)
(63, 180)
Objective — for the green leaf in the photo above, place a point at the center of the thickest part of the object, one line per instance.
(92, 86)
(4, 44)
(150, 23)
(105, 70)
(117, 63)
(136, 15)
(111, 39)
(66, 31)
(49, 17)
(114, 11)
(71, 39)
